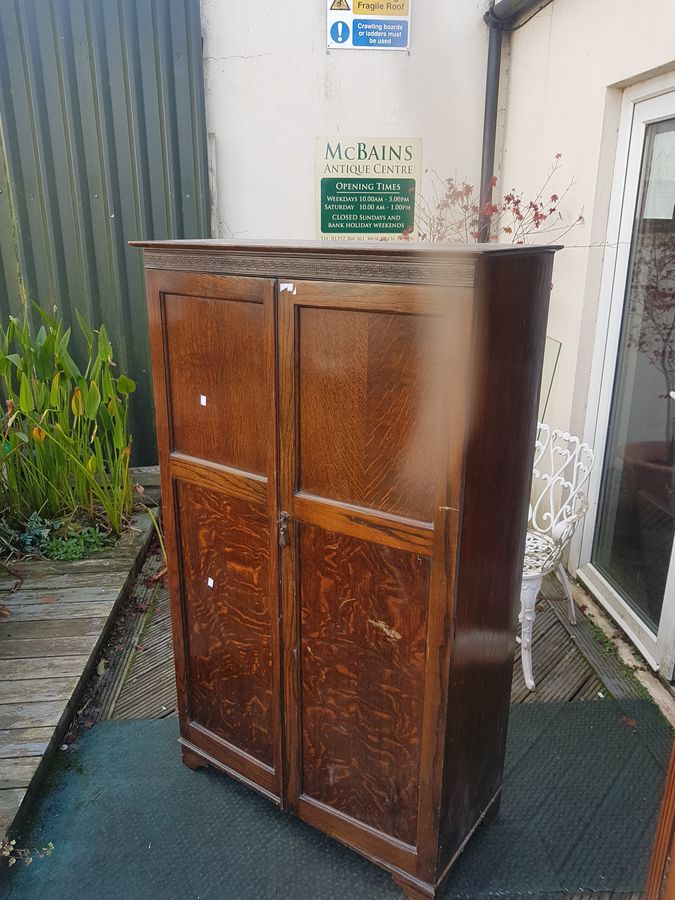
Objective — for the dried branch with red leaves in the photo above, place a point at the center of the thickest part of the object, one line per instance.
(454, 213)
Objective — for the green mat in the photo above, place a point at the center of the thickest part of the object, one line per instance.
(128, 820)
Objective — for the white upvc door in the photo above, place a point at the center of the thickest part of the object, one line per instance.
(624, 554)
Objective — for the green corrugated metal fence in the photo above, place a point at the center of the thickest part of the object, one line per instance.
(102, 140)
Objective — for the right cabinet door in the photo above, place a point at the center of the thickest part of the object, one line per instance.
(365, 454)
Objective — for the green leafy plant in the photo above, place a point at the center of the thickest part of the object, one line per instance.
(35, 535)
(65, 446)
(158, 531)
(76, 545)
(63, 539)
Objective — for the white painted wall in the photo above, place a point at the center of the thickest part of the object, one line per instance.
(567, 69)
(271, 88)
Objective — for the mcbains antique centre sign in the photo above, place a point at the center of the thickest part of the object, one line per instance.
(366, 187)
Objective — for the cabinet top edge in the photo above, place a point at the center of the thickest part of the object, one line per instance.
(381, 249)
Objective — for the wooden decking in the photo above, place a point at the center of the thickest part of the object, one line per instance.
(59, 618)
(141, 682)
(138, 681)
(568, 663)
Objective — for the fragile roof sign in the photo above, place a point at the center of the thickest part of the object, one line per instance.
(368, 24)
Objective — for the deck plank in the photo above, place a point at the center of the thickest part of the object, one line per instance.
(92, 593)
(561, 670)
(568, 678)
(41, 667)
(32, 649)
(606, 665)
(32, 690)
(25, 741)
(50, 612)
(10, 801)
(592, 690)
(58, 628)
(149, 684)
(53, 584)
(18, 772)
(31, 715)
(117, 560)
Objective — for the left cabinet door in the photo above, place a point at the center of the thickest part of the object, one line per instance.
(213, 352)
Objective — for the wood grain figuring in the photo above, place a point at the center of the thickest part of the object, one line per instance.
(215, 361)
(240, 484)
(368, 524)
(228, 624)
(368, 423)
(363, 618)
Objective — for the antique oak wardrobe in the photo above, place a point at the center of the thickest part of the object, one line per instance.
(345, 437)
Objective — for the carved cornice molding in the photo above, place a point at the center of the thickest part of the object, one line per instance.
(454, 270)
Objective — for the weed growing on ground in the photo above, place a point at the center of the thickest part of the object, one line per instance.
(609, 648)
(26, 855)
(59, 539)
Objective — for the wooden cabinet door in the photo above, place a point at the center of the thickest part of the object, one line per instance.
(365, 432)
(213, 343)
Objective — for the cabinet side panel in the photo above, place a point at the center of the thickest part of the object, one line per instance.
(154, 284)
(225, 562)
(363, 631)
(508, 346)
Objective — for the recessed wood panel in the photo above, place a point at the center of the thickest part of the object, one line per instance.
(369, 409)
(363, 624)
(216, 369)
(228, 617)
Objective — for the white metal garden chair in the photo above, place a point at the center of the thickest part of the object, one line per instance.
(562, 467)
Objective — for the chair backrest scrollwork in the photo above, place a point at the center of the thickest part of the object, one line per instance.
(561, 470)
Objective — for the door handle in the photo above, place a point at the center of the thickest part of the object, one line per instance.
(282, 523)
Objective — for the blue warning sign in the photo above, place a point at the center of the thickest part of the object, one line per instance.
(368, 24)
(339, 32)
(381, 33)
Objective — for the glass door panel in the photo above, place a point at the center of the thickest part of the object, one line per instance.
(636, 515)
(551, 357)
